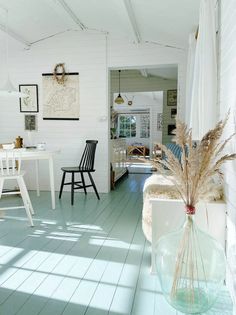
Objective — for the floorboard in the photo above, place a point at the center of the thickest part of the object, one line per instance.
(90, 258)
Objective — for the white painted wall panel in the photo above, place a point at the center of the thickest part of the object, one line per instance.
(127, 55)
(227, 83)
(91, 55)
(85, 54)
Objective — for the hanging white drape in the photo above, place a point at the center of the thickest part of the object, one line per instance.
(203, 112)
(189, 76)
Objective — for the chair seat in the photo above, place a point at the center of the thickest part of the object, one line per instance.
(13, 176)
(75, 169)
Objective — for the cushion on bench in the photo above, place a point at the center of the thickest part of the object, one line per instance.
(161, 187)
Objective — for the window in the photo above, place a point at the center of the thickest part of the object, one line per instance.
(134, 125)
(127, 126)
(145, 126)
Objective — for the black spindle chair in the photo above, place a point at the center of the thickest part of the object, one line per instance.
(86, 165)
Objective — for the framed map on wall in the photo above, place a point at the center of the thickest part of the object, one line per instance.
(61, 101)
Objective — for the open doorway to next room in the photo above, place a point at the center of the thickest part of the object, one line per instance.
(142, 117)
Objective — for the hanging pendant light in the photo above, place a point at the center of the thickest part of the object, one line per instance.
(8, 89)
(119, 100)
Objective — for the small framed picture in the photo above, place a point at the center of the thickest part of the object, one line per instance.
(173, 112)
(170, 129)
(29, 103)
(172, 98)
(30, 122)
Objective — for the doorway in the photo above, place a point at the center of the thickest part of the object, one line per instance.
(137, 122)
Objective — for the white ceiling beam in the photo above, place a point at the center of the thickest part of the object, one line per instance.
(73, 16)
(14, 35)
(132, 20)
(144, 73)
(5, 28)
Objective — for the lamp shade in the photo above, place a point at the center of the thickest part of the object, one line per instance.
(119, 99)
(9, 90)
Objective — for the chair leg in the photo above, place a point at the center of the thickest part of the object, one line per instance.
(62, 184)
(21, 184)
(27, 196)
(72, 187)
(93, 184)
(83, 182)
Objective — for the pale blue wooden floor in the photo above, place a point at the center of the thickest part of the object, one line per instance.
(88, 259)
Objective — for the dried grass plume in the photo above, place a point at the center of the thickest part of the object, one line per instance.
(193, 174)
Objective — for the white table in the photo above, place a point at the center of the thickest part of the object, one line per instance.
(34, 154)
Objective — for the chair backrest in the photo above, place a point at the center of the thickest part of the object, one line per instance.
(87, 160)
(10, 162)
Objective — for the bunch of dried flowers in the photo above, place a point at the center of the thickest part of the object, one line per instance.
(193, 173)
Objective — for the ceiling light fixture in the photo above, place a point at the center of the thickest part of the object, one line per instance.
(119, 100)
(8, 89)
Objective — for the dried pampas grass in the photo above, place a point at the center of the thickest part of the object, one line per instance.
(192, 175)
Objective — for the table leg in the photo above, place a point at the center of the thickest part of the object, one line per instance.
(37, 177)
(52, 185)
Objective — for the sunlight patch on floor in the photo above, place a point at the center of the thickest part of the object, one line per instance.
(9, 253)
(113, 243)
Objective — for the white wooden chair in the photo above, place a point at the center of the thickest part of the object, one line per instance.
(10, 169)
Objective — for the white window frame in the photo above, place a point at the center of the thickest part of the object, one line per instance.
(127, 115)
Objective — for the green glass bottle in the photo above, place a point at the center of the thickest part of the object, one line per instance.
(191, 268)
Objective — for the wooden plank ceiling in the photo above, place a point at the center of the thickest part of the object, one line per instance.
(165, 22)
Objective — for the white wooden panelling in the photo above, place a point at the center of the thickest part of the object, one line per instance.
(227, 79)
(91, 54)
(87, 55)
(133, 81)
(127, 55)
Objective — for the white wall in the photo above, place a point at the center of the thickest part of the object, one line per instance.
(144, 101)
(83, 53)
(132, 80)
(127, 55)
(91, 55)
(227, 83)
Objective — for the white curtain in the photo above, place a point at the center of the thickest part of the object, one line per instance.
(189, 76)
(203, 112)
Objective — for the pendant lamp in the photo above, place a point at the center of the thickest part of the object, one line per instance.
(119, 99)
(8, 89)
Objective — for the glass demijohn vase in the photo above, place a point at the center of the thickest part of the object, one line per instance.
(191, 267)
